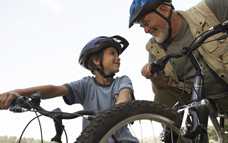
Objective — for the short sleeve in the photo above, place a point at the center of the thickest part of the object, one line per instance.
(125, 82)
(76, 92)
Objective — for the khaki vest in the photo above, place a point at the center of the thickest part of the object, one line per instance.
(200, 18)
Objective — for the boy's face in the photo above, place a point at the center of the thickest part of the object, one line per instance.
(111, 60)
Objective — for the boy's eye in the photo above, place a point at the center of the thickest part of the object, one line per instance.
(113, 53)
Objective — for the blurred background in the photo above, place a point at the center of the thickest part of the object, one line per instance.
(40, 42)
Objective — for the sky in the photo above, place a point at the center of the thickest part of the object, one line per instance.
(40, 42)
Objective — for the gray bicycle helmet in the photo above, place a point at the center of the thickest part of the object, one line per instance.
(100, 43)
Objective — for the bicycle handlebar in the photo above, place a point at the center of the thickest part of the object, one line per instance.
(32, 103)
(159, 64)
(212, 31)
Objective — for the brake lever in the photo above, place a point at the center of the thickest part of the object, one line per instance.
(36, 99)
(225, 24)
(158, 65)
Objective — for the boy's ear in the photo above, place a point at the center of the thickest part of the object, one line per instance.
(96, 61)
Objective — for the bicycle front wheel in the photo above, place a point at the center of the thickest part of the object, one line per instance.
(143, 122)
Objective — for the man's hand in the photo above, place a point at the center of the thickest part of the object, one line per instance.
(146, 71)
(7, 98)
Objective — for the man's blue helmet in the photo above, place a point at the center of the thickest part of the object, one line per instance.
(100, 43)
(141, 7)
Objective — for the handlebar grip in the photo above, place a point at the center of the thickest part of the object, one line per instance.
(158, 65)
(17, 109)
(19, 104)
(22, 103)
(155, 67)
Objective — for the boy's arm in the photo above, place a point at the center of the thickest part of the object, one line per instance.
(125, 95)
(47, 91)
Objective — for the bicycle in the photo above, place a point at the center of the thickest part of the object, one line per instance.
(22, 104)
(182, 123)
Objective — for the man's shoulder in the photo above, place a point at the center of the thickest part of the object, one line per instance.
(219, 8)
(151, 43)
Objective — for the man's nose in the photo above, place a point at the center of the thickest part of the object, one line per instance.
(146, 29)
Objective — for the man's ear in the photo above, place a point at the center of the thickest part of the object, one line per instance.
(164, 9)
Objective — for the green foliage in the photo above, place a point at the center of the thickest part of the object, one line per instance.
(6, 139)
(211, 133)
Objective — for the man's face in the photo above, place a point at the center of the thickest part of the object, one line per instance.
(155, 25)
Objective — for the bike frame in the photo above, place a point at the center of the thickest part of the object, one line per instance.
(200, 104)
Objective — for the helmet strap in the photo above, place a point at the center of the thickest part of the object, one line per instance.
(168, 39)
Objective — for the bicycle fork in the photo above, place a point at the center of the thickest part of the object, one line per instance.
(205, 103)
(194, 121)
(195, 116)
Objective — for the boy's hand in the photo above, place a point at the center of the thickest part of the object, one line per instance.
(7, 98)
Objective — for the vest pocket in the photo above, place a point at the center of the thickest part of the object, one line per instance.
(216, 56)
(218, 50)
(225, 56)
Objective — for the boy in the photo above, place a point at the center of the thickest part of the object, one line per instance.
(98, 93)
